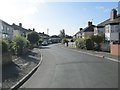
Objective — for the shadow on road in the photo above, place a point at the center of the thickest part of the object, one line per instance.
(44, 47)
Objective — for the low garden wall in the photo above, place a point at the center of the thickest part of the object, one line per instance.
(115, 49)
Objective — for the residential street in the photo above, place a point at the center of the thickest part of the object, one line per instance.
(64, 68)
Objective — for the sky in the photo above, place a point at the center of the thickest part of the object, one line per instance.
(54, 15)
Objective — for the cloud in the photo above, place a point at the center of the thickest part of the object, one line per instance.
(102, 8)
(17, 10)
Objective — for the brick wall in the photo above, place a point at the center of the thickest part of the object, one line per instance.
(115, 49)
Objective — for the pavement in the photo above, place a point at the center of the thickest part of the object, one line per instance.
(65, 68)
(106, 55)
(34, 56)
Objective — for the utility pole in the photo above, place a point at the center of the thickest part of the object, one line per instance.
(47, 31)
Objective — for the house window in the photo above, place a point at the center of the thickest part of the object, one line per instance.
(5, 35)
(1, 27)
(116, 28)
(8, 28)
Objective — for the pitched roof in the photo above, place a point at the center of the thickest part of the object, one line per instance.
(43, 34)
(5, 22)
(16, 27)
(89, 28)
(104, 22)
(55, 36)
(108, 21)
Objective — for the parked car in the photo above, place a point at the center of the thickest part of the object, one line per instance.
(44, 43)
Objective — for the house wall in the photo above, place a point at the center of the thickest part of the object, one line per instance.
(107, 32)
(87, 34)
(114, 36)
(98, 30)
(7, 31)
(95, 31)
(78, 35)
(0, 29)
(111, 32)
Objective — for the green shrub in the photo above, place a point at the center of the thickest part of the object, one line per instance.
(64, 41)
(80, 43)
(71, 40)
(95, 47)
(33, 37)
(89, 44)
(98, 39)
(19, 43)
(4, 46)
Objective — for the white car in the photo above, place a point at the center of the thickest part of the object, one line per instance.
(44, 43)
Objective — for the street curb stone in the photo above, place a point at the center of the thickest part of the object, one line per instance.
(24, 79)
(101, 56)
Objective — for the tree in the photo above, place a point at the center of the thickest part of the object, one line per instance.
(89, 44)
(62, 34)
(33, 37)
(102, 36)
(98, 39)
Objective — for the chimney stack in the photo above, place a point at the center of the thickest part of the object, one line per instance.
(89, 23)
(81, 29)
(20, 24)
(33, 29)
(113, 14)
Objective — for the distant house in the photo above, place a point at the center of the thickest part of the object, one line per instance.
(6, 30)
(55, 39)
(78, 34)
(88, 31)
(20, 30)
(111, 27)
(44, 36)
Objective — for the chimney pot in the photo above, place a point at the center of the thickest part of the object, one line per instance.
(81, 29)
(20, 24)
(33, 29)
(89, 23)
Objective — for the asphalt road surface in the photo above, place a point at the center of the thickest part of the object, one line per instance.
(64, 68)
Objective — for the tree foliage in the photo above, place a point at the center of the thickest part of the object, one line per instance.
(62, 34)
(33, 37)
(4, 46)
(19, 43)
(89, 44)
(98, 39)
(80, 43)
